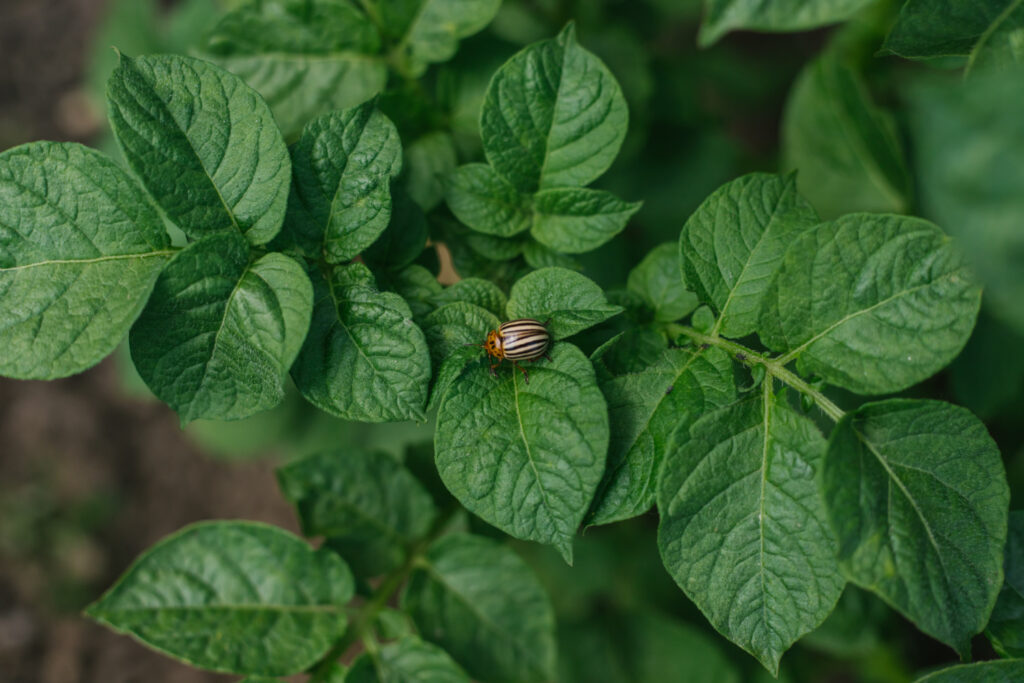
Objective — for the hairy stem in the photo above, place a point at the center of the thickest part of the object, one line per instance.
(773, 366)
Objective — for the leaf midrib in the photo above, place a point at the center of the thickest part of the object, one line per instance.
(86, 261)
(989, 32)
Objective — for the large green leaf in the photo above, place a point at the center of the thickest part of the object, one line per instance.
(432, 28)
(732, 245)
(453, 326)
(917, 494)
(845, 148)
(573, 302)
(358, 499)
(574, 220)
(80, 249)
(968, 145)
(203, 143)
(305, 57)
(219, 333)
(985, 30)
(486, 202)
(872, 303)
(364, 358)
(553, 116)
(526, 457)
(207, 593)
(723, 16)
(1006, 671)
(743, 528)
(645, 408)
(657, 281)
(1006, 627)
(408, 660)
(343, 166)
(477, 291)
(479, 601)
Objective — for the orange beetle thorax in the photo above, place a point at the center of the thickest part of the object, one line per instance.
(493, 345)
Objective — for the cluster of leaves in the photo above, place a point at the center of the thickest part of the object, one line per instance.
(710, 392)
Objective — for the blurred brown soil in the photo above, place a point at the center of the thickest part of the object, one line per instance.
(88, 477)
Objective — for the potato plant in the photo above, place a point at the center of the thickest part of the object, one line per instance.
(760, 373)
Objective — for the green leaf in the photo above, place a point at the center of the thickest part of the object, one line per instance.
(479, 601)
(357, 494)
(364, 359)
(871, 303)
(525, 457)
(632, 351)
(983, 30)
(656, 280)
(743, 528)
(1005, 671)
(572, 301)
(562, 129)
(494, 248)
(723, 16)
(432, 29)
(575, 220)
(343, 166)
(917, 494)
(418, 286)
(219, 333)
(453, 326)
(482, 293)
(205, 594)
(485, 201)
(80, 249)
(645, 409)
(408, 660)
(405, 237)
(305, 57)
(538, 256)
(1006, 626)
(968, 139)
(428, 161)
(732, 245)
(845, 148)
(203, 143)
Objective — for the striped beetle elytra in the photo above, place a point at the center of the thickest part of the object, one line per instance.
(516, 340)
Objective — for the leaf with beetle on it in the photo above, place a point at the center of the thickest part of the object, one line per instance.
(203, 143)
(451, 327)
(917, 493)
(205, 594)
(573, 302)
(525, 457)
(80, 248)
(743, 529)
(871, 303)
(341, 193)
(479, 601)
(219, 333)
(364, 358)
(305, 57)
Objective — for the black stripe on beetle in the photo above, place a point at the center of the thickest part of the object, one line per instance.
(516, 340)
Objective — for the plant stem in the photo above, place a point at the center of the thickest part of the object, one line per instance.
(363, 621)
(772, 366)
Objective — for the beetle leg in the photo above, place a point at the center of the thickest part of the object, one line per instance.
(494, 372)
(526, 375)
(547, 356)
(547, 322)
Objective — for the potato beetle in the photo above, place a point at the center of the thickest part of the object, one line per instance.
(516, 340)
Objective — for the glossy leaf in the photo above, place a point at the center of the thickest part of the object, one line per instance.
(576, 220)
(656, 280)
(573, 302)
(525, 457)
(485, 201)
(479, 601)
(80, 249)
(871, 303)
(564, 129)
(408, 660)
(205, 594)
(219, 333)
(1006, 626)
(917, 494)
(343, 164)
(451, 327)
(723, 16)
(203, 143)
(1005, 671)
(477, 291)
(732, 245)
(743, 528)
(845, 148)
(645, 409)
(364, 359)
(305, 57)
